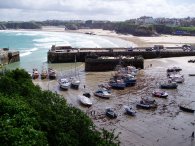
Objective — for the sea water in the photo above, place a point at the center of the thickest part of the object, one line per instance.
(34, 45)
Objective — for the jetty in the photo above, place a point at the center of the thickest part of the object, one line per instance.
(7, 56)
(64, 54)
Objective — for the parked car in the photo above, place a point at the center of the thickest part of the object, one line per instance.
(129, 49)
(149, 49)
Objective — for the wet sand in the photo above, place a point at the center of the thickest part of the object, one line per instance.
(167, 125)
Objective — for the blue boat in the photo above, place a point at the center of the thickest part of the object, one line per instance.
(117, 84)
(129, 80)
(168, 86)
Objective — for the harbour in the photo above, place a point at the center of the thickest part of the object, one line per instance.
(149, 127)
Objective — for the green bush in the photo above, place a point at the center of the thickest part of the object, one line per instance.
(30, 116)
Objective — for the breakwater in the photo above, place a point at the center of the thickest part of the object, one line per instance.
(7, 57)
(80, 54)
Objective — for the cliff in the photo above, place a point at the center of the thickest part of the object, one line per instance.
(19, 25)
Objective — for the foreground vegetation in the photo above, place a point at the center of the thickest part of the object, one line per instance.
(30, 116)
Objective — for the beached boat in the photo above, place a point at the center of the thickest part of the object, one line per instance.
(43, 73)
(176, 77)
(159, 93)
(147, 103)
(75, 82)
(129, 80)
(186, 108)
(191, 61)
(191, 74)
(105, 86)
(171, 85)
(103, 93)
(51, 73)
(64, 83)
(35, 73)
(143, 106)
(117, 84)
(110, 113)
(129, 110)
(85, 100)
(174, 69)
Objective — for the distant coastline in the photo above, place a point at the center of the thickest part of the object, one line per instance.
(166, 40)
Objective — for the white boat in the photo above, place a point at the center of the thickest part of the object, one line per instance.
(51, 73)
(85, 100)
(35, 73)
(103, 93)
(160, 93)
(178, 78)
(75, 82)
(64, 83)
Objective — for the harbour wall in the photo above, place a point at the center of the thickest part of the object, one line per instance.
(7, 57)
(63, 57)
(99, 64)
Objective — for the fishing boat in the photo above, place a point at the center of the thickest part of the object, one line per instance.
(143, 106)
(129, 80)
(176, 77)
(51, 73)
(35, 73)
(169, 85)
(147, 103)
(85, 100)
(75, 82)
(159, 93)
(129, 110)
(174, 69)
(117, 84)
(110, 113)
(64, 83)
(186, 108)
(105, 86)
(191, 74)
(103, 93)
(43, 73)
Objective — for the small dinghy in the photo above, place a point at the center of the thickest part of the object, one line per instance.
(159, 93)
(64, 83)
(103, 93)
(85, 100)
(186, 108)
(129, 110)
(147, 103)
(110, 113)
(171, 85)
(191, 74)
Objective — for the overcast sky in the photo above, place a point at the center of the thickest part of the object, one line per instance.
(114, 10)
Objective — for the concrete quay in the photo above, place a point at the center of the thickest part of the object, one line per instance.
(7, 57)
(80, 54)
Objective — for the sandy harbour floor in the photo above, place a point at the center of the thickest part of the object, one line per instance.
(166, 125)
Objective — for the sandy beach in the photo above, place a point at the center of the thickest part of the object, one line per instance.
(166, 40)
(166, 125)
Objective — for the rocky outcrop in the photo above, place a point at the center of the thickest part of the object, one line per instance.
(19, 25)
